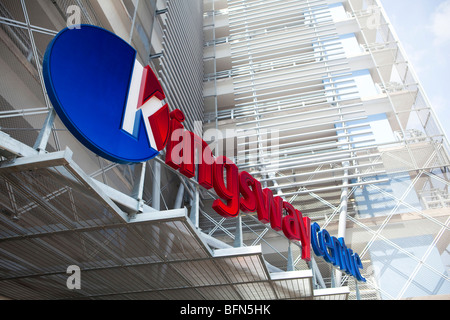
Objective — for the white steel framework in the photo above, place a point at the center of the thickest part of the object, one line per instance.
(292, 70)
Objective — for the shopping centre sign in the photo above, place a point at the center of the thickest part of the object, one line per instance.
(103, 95)
(113, 106)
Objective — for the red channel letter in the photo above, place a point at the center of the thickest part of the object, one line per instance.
(174, 159)
(248, 200)
(305, 235)
(291, 226)
(228, 192)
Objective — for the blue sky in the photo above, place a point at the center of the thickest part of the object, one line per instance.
(423, 27)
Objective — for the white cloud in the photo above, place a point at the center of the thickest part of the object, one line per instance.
(440, 26)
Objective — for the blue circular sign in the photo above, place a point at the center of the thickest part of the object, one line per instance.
(88, 74)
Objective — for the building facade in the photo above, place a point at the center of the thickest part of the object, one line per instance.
(314, 98)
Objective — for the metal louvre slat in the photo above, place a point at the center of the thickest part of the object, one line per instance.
(249, 269)
(182, 60)
(252, 291)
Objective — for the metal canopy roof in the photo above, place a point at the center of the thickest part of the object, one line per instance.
(53, 215)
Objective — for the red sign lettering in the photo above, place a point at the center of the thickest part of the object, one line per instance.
(240, 191)
(228, 192)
